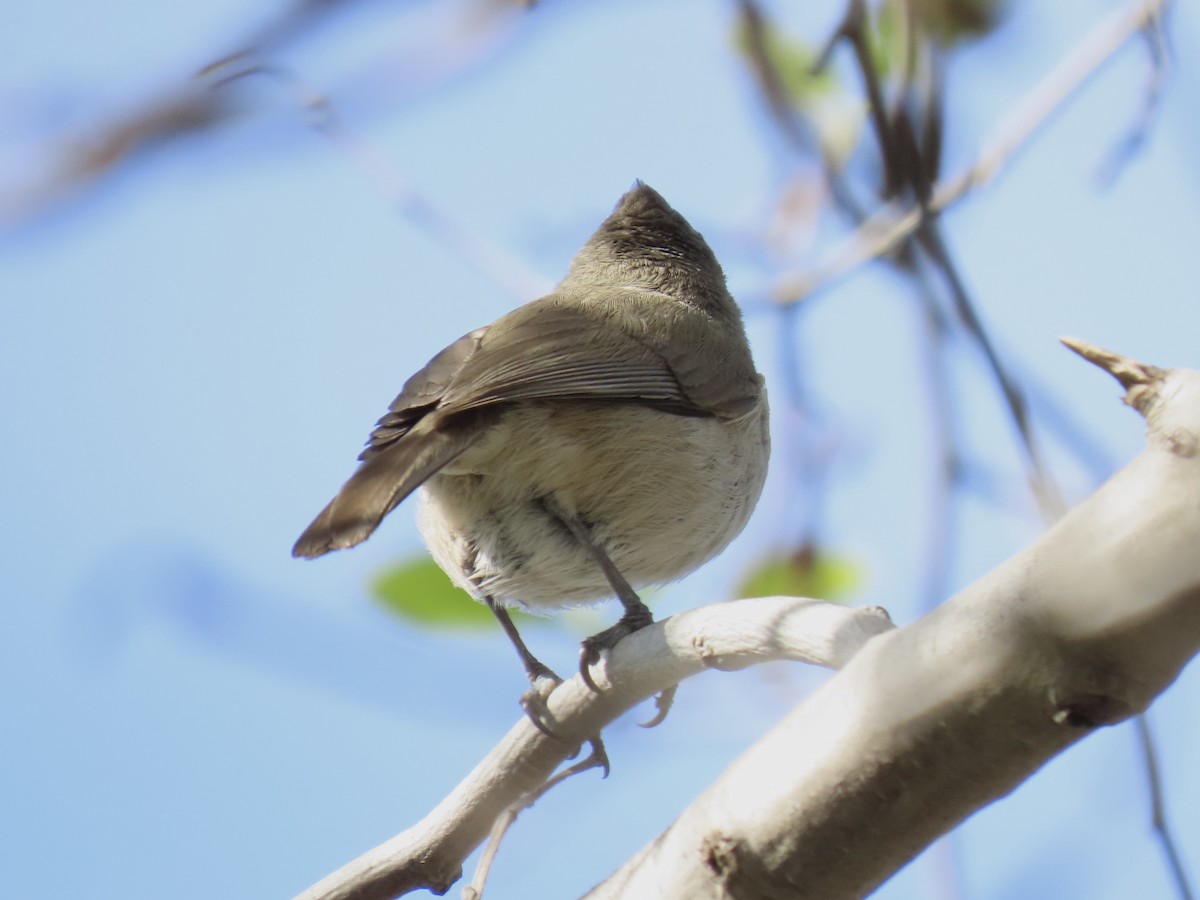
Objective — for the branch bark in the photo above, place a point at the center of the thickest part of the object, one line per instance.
(933, 721)
(922, 726)
(725, 636)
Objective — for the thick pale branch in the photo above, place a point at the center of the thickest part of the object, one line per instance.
(722, 636)
(932, 721)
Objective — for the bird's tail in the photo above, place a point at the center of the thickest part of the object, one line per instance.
(381, 482)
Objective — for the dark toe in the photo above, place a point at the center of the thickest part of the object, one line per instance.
(534, 702)
(591, 648)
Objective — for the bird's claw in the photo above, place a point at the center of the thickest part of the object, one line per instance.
(535, 702)
(597, 759)
(590, 649)
(662, 706)
(588, 657)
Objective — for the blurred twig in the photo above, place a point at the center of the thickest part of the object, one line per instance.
(1158, 809)
(910, 152)
(485, 256)
(770, 81)
(894, 222)
(1135, 138)
(949, 463)
(83, 160)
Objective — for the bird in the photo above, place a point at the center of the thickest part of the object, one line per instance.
(608, 436)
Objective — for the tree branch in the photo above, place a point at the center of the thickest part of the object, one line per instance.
(724, 636)
(933, 721)
(890, 225)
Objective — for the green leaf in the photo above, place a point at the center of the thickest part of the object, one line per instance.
(948, 22)
(420, 592)
(835, 114)
(954, 21)
(804, 573)
(792, 59)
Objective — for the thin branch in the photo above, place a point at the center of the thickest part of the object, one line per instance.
(909, 168)
(1139, 379)
(723, 636)
(1158, 808)
(1042, 481)
(1142, 389)
(486, 257)
(948, 468)
(891, 224)
(596, 760)
(1135, 138)
(770, 80)
(78, 161)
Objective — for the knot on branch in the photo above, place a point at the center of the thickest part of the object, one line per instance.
(721, 853)
(1092, 711)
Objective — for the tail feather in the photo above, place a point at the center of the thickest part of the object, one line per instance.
(381, 482)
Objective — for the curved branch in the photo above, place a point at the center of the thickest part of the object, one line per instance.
(725, 636)
(933, 721)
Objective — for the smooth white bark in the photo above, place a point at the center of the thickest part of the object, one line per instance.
(729, 635)
(932, 721)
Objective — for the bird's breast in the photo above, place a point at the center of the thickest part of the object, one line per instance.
(660, 494)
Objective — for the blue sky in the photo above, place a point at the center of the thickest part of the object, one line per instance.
(194, 351)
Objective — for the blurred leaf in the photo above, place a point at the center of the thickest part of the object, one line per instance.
(834, 113)
(804, 573)
(951, 21)
(791, 58)
(948, 22)
(885, 39)
(422, 593)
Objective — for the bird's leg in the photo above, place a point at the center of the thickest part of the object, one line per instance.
(636, 616)
(534, 667)
(542, 679)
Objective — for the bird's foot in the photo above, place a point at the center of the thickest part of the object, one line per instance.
(635, 619)
(662, 706)
(535, 701)
(597, 759)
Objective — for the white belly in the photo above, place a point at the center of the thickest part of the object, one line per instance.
(660, 494)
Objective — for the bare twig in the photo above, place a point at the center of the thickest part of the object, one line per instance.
(488, 258)
(1158, 808)
(596, 760)
(1141, 382)
(78, 161)
(910, 165)
(770, 81)
(891, 224)
(948, 476)
(1139, 379)
(1042, 481)
(1156, 77)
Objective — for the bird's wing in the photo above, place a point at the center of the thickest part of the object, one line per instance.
(549, 352)
(542, 351)
(392, 469)
(422, 393)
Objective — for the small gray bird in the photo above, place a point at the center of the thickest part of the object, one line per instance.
(611, 434)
